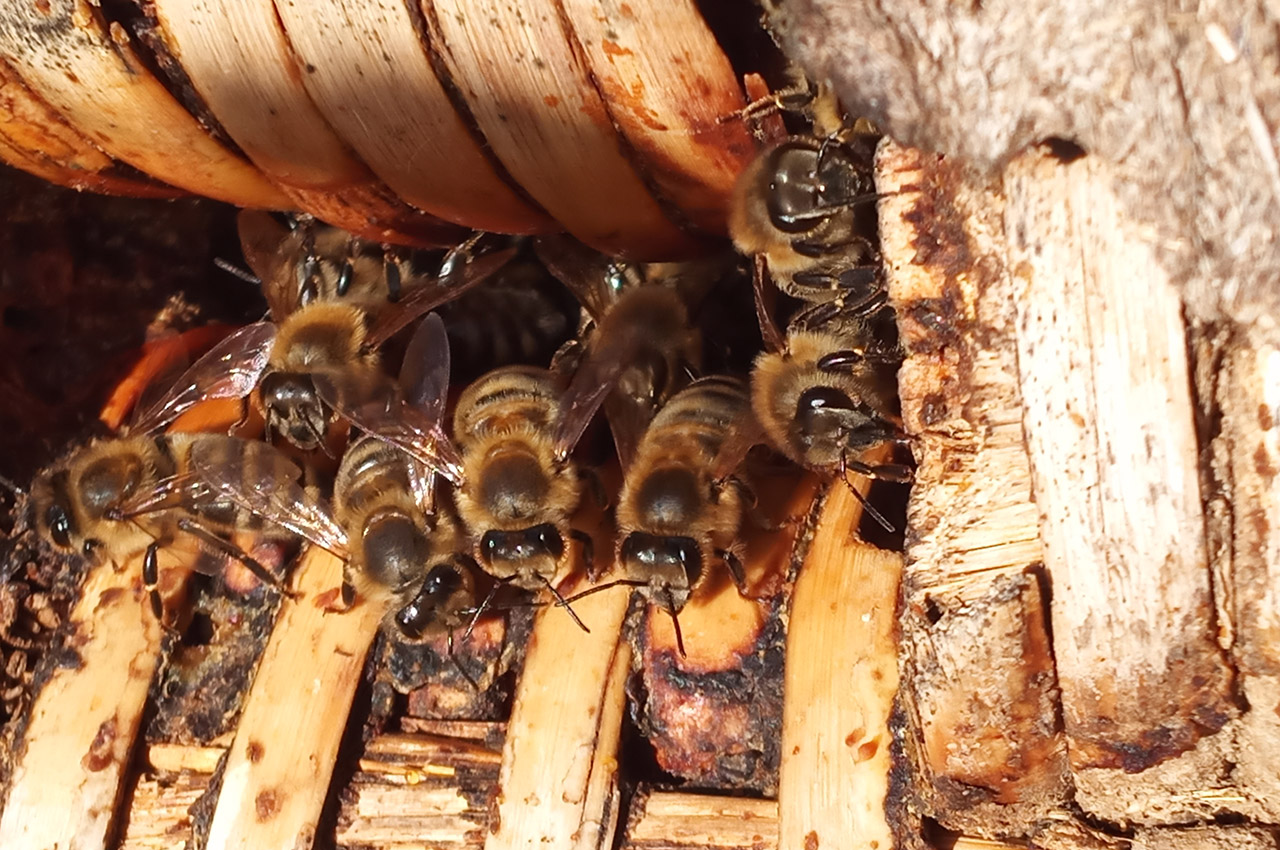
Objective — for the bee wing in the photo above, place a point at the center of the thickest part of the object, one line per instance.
(773, 340)
(745, 433)
(162, 496)
(424, 374)
(259, 478)
(230, 369)
(586, 273)
(271, 251)
(430, 295)
(379, 409)
(589, 387)
(628, 420)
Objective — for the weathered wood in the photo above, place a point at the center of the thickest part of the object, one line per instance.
(558, 787)
(65, 52)
(1240, 384)
(1206, 838)
(535, 102)
(979, 686)
(840, 686)
(239, 61)
(1146, 691)
(668, 88)
(712, 716)
(276, 776)
(69, 777)
(676, 821)
(370, 75)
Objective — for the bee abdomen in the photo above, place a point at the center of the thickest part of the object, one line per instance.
(525, 395)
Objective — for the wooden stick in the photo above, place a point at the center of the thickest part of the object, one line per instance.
(676, 821)
(1241, 379)
(673, 121)
(68, 779)
(840, 685)
(38, 140)
(277, 774)
(1146, 691)
(63, 51)
(376, 87)
(979, 684)
(536, 104)
(558, 784)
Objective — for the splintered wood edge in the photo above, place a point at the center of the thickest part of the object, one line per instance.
(673, 95)
(378, 90)
(558, 783)
(1111, 431)
(976, 650)
(840, 684)
(1245, 458)
(277, 773)
(62, 50)
(533, 99)
(67, 782)
(38, 140)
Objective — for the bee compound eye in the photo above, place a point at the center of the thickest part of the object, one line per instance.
(59, 526)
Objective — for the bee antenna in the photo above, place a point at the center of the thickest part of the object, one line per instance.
(448, 643)
(675, 622)
(630, 582)
(235, 271)
(483, 606)
(560, 600)
(10, 485)
(866, 506)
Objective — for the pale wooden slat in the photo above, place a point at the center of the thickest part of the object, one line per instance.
(533, 99)
(1115, 460)
(62, 50)
(277, 773)
(669, 88)
(370, 75)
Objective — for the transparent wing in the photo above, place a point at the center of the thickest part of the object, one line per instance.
(591, 384)
(628, 419)
(424, 374)
(773, 340)
(272, 252)
(428, 296)
(260, 479)
(745, 433)
(589, 275)
(230, 369)
(380, 411)
(167, 493)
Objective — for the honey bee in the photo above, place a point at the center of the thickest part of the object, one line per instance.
(403, 548)
(333, 301)
(519, 488)
(675, 513)
(830, 392)
(798, 205)
(639, 344)
(118, 497)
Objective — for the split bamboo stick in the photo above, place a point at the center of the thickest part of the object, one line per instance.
(88, 71)
(277, 773)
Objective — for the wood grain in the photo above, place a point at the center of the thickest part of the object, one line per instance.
(533, 99)
(63, 51)
(369, 74)
(71, 774)
(979, 682)
(1111, 432)
(237, 58)
(669, 89)
(276, 776)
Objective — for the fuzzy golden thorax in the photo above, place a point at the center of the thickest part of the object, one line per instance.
(815, 416)
(77, 503)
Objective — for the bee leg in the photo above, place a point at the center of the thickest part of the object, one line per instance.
(736, 570)
(675, 623)
(588, 550)
(231, 550)
(448, 643)
(592, 479)
(151, 580)
(391, 270)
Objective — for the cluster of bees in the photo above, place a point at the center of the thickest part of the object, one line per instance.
(434, 513)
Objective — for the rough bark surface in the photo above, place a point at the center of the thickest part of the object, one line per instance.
(1181, 100)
